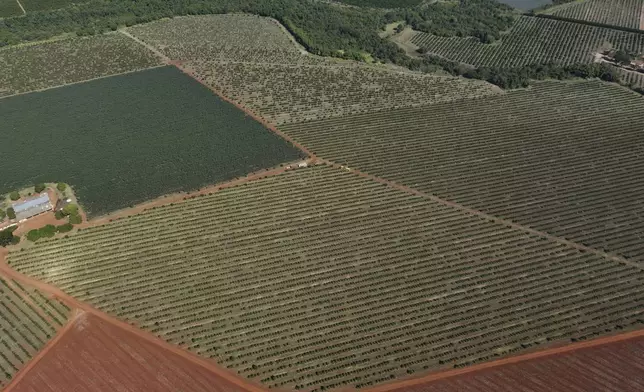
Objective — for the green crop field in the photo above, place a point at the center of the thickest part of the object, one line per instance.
(40, 66)
(9, 8)
(622, 13)
(564, 158)
(288, 93)
(129, 138)
(222, 38)
(318, 278)
(27, 321)
(533, 40)
(40, 5)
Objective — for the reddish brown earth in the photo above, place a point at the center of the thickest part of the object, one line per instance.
(94, 355)
(609, 364)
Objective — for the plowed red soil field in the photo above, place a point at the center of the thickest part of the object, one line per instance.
(96, 356)
(611, 364)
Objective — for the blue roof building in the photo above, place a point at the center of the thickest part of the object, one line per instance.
(32, 207)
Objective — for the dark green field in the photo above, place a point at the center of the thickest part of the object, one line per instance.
(9, 8)
(40, 5)
(126, 139)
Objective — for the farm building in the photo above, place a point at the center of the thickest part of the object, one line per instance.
(32, 207)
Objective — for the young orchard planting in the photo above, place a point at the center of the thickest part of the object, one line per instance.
(40, 66)
(290, 93)
(531, 41)
(222, 38)
(319, 278)
(564, 158)
(27, 321)
(622, 13)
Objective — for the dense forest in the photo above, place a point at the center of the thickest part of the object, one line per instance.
(483, 19)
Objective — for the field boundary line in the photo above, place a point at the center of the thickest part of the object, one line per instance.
(180, 197)
(570, 347)
(21, 7)
(206, 363)
(83, 81)
(23, 371)
(188, 71)
(492, 218)
(151, 48)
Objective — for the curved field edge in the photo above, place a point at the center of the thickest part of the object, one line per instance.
(126, 139)
(318, 278)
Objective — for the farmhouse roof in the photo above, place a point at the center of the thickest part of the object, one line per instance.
(32, 207)
(609, 364)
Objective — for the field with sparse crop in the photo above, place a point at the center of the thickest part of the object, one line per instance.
(291, 93)
(40, 66)
(622, 13)
(27, 321)
(126, 139)
(222, 38)
(318, 278)
(531, 41)
(564, 158)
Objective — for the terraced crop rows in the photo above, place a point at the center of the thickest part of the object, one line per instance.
(634, 78)
(231, 37)
(40, 66)
(564, 158)
(318, 278)
(288, 93)
(623, 13)
(533, 40)
(27, 321)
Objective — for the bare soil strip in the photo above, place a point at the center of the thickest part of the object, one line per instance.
(41, 354)
(506, 361)
(642, 18)
(72, 302)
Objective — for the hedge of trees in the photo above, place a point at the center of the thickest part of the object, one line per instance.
(483, 19)
(322, 28)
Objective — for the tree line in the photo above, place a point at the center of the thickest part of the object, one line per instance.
(322, 28)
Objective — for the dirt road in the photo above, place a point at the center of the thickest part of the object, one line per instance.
(73, 303)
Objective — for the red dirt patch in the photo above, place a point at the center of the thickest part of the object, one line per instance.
(95, 355)
(609, 364)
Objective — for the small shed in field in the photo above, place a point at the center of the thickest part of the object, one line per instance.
(32, 207)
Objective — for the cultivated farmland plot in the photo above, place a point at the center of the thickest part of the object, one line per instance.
(533, 40)
(39, 66)
(9, 8)
(564, 158)
(130, 138)
(318, 278)
(27, 321)
(289, 93)
(622, 13)
(227, 38)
